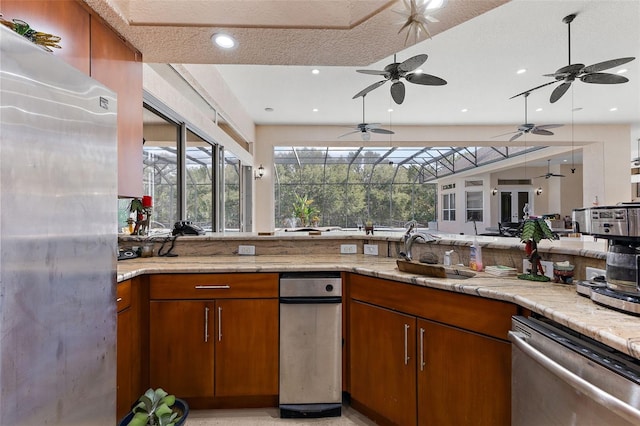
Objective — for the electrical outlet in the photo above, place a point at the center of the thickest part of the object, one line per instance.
(371, 249)
(547, 267)
(348, 249)
(591, 273)
(247, 250)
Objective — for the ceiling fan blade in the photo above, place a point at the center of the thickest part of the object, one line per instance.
(350, 133)
(603, 78)
(612, 63)
(559, 91)
(526, 92)
(371, 125)
(539, 131)
(374, 72)
(369, 88)
(504, 134)
(555, 175)
(412, 63)
(397, 92)
(426, 79)
(516, 136)
(549, 126)
(384, 131)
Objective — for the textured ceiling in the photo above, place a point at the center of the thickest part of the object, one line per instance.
(274, 32)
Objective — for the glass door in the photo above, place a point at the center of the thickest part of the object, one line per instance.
(512, 204)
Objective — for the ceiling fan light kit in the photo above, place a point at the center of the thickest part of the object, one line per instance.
(587, 74)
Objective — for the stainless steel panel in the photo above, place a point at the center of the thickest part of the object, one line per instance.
(609, 221)
(58, 224)
(581, 219)
(310, 353)
(310, 287)
(553, 385)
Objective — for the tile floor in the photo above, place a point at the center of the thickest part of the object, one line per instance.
(270, 416)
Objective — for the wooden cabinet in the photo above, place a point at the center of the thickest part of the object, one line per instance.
(67, 19)
(412, 362)
(214, 335)
(90, 45)
(463, 377)
(119, 67)
(383, 368)
(129, 346)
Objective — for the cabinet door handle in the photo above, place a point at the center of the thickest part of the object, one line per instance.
(213, 287)
(422, 363)
(119, 299)
(219, 323)
(406, 344)
(206, 324)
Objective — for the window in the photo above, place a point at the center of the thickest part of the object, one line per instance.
(232, 169)
(199, 181)
(448, 207)
(474, 206)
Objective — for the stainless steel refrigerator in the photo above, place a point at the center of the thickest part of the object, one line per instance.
(58, 241)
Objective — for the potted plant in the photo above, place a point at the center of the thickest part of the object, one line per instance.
(157, 408)
(534, 230)
(303, 209)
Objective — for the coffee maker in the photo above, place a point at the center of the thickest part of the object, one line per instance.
(620, 225)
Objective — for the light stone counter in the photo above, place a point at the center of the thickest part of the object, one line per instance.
(558, 302)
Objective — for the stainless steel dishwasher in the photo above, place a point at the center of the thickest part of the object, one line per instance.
(560, 377)
(310, 345)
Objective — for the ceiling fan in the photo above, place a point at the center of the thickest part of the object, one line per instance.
(549, 174)
(587, 74)
(366, 129)
(529, 127)
(395, 71)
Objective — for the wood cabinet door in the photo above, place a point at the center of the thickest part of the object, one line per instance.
(125, 392)
(464, 378)
(246, 336)
(382, 360)
(181, 347)
(119, 67)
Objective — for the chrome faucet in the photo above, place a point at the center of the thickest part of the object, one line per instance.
(410, 237)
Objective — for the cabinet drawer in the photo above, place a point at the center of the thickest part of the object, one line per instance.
(123, 295)
(213, 286)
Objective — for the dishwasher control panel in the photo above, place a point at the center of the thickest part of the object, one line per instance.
(315, 284)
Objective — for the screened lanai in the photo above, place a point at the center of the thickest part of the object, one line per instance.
(349, 186)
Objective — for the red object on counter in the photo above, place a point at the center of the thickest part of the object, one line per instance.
(147, 201)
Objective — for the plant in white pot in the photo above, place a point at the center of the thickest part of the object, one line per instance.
(157, 408)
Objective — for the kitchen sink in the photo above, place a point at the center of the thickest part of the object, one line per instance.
(435, 270)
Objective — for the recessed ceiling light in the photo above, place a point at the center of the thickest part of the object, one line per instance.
(622, 71)
(390, 110)
(564, 161)
(418, 71)
(577, 109)
(521, 71)
(315, 71)
(613, 109)
(315, 110)
(464, 110)
(538, 109)
(268, 109)
(224, 40)
(434, 4)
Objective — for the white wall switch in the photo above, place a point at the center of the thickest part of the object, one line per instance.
(247, 250)
(371, 249)
(348, 249)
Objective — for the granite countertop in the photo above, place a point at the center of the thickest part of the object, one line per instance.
(558, 302)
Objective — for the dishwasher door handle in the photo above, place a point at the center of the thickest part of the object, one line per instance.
(595, 393)
(310, 300)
